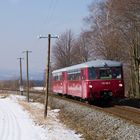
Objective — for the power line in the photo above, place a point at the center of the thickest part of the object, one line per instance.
(51, 9)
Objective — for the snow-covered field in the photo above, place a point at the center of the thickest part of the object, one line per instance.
(16, 123)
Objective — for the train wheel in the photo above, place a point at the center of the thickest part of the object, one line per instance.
(82, 100)
(90, 101)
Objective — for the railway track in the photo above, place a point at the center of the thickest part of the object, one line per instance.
(127, 113)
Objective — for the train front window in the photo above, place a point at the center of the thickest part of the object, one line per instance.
(105, 73)
(116, 73)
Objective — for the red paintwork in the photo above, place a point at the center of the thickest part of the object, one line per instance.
(105, 85)
(80, 88)
(58, 86)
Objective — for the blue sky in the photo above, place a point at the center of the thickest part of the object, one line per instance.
(22, 20)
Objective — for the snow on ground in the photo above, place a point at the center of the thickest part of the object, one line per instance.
(16, 123)
(38, 88)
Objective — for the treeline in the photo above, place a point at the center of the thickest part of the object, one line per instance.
(15, 83)
(112, 31)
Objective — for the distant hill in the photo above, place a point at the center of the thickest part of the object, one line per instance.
(9, 75)
(38, 83)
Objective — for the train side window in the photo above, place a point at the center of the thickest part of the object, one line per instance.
(53, 78)
(83, 77)
(57, 77)
(92, 73)
(117, 73)
(70, 77)
(74, 75)
(63, 76)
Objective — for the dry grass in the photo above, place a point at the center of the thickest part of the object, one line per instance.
(37, 114)
(72, 122)
(75, 119)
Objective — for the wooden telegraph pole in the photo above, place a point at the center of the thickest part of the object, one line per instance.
(47, 72)
(27, 71)
(21, 81)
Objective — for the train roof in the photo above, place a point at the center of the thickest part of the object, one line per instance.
(93, 63)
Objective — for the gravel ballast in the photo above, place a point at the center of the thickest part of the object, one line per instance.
(95, 124)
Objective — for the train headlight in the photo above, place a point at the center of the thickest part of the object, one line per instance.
(120, 85)
(90, 86)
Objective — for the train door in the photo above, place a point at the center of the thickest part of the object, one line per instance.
(64, 75)
(83, 79)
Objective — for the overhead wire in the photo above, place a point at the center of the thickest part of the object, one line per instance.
(51, 9)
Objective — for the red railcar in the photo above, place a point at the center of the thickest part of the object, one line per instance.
(90, 80)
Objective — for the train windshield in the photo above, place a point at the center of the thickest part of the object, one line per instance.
(105, 73)
(110, 73)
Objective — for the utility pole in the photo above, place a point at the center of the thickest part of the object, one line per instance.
(47, 72)
(21, 81)
(27, 71)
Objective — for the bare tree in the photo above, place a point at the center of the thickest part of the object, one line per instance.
(10, 84)
(104, 36)
(69, 50)
(83, 48)
(115, 34)
(63, 50)
(128, 18)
